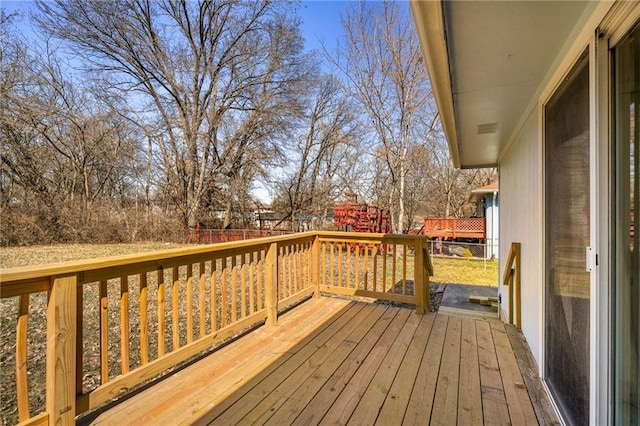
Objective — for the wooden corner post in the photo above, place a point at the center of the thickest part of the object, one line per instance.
(61, 350)
(271, 284)
(419, 278)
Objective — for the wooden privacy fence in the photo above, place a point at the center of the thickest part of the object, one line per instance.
(124, 320)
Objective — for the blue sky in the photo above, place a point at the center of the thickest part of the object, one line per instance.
(321, 22)
(320, 19)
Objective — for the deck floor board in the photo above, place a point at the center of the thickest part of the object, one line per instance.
(333, 361)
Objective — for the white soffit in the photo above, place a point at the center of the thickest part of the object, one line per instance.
(499, 53)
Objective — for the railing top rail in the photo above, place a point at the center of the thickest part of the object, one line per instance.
(30, 273)
(40, 272)
(368, 236)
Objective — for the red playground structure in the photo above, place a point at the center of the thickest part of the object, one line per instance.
(351, 216)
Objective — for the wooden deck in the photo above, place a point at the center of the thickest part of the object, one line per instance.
(333, 361)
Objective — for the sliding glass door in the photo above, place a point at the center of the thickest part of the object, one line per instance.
(567, 231)
(626, 259)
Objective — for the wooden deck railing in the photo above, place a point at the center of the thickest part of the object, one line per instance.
(511, 278)
(449, 227)
(124, 320)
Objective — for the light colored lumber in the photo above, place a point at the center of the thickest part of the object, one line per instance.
(494, 403)
(320, 403)
(445, 403)
(404, 384)
(61, 350)
(346, 403)
(104, 333)
(214, 295)
(392, 297)
(41, 419)
(234, 289)
(257, 406)
(270, 284)
(22, 385)
(272, 355)
(79, 362)
(378, 390)
(231, 370)
(469, 394)
(252, 282)
(201, 301)
(175, 307)
(127, 381)
(308, 392)
(189, 302)
(161, 321)
(144, 320)
(421, 400)
(404, 269)
(228, 362)
(124, 324)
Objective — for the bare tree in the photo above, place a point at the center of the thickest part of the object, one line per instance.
(216, 79)
(330, 131)
(382, 62)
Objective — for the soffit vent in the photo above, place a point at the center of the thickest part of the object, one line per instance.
(487, 128)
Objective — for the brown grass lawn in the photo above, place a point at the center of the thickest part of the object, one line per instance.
(446, 271)
(11, 257)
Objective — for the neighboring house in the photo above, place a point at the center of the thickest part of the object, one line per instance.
(486, 201)
(549, 92)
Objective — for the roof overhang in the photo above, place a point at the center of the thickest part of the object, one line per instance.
(487, 60)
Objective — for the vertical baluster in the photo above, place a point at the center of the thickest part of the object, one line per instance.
(104, 333)
(404, 269)
(252, 295)
(79, 337)
(323, 263)
(144, 321)
(287, 270)
(309, 263)
(375, 266)
(385, 249)
(332, 263)
(296, 268)
(340, 257)
(189, 302)
(367, 250)
(420, 279)
(201, 302)
(124, 323)
(243, 285)
(347, 271)
(234, 289)
(394, 260)
(356, 266)
(161, 322)
(223, 292)
(175, 307)
(259, 272)
(22, 387)
(214, 295)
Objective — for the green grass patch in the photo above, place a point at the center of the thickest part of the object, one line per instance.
(465, 271)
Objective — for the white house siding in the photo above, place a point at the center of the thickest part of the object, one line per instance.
(521, 214)
(492, 223)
